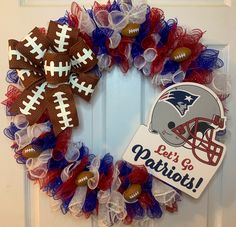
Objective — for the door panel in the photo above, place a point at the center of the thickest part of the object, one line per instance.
(120, 104)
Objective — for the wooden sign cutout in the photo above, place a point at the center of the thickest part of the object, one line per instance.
(180, 145)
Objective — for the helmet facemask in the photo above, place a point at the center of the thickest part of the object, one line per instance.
(201, 134)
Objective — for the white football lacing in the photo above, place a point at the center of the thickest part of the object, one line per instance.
(36, 48)
(22, 73)
(33, 100)
(84, 179)
(81, 87)
(76, 62)
(61, 70)
(62, 108)
(135, 30)
(18, 55)
(132, 196)
(62, 37)
(180, 56)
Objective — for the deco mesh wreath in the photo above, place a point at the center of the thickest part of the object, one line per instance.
(50, 66)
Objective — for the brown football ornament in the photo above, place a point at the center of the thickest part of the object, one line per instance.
(83, 177)
(131, 30)
(31, 151)
(132, 193)
(180, 54)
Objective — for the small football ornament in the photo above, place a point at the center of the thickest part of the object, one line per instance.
(83, 177)
(131, 30)
(180, 54)
(31, 151)
(132, 193)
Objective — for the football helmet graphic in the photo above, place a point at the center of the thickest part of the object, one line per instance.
(189, 115)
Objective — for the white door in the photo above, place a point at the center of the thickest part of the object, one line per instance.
(21, 203)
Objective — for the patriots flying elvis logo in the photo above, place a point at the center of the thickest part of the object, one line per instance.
(180, 99)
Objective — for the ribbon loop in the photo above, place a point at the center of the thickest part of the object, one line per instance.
(17, 60)
(31, 102)
(102, 19)
(28, 77)
(57, 67)
(118, 20)
(73, 152)
(37, 167)
(25, 136)
(86, 24)
(34, 46)
(163, 193)
(20, 121)
(82, 57)
(61, 37)
(104, 62)
(83, 85)
(62, 109)
(77, 201)
(138, 13)
(93, 182)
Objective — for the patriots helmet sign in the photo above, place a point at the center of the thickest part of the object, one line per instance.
(190, 115)
(179, 145)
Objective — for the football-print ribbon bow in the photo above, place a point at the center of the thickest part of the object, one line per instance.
(52, 67)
